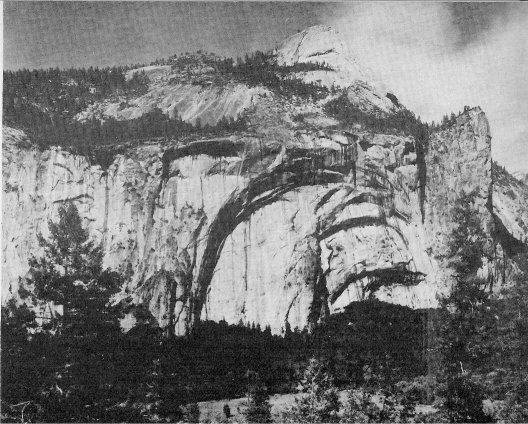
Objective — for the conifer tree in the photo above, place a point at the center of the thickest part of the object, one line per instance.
(86, 335)
(317, 401)
(20, 371)
(70, 273)
(259, 409)
(467, 324)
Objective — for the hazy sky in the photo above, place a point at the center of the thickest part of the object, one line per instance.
(436, 57)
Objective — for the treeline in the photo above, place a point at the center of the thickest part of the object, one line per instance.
(447, 120)
(210, 363)
(89, 136)
(45, 102)
(154, 124)
(247, 64)
(65, 92)
(261, 68)
(257, 68)
(402, 121)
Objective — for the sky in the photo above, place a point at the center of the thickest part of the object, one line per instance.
(436, 57)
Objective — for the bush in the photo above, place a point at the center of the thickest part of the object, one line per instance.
(377, 407)
(357, 408)
(420, 390)
(191, 413)
(464, 399)
(227, 411)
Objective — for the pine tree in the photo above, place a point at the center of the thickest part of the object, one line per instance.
(467, 241)
(259, 409)
(468, 327)
(317, 401)
(85, 336)
(20, 373)
(70, 273)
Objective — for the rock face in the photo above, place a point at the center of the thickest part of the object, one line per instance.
(322, 45)
(510, 197)
(192, 103)
(521, 176)
(459, 161)
(280, 225)
(272, 239)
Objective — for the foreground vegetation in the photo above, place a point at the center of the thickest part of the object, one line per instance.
(76, 364)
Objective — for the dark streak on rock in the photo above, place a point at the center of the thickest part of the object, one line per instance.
(73, 199)
(261, 191)
(397, 275)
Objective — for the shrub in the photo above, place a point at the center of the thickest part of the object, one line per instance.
(357, 408)
(464, 399)
(191, 413)
(298, 117)
(420, 390)
(377, 407)
(227, 411)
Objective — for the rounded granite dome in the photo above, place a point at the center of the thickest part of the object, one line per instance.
(318, 44)
(322, 45)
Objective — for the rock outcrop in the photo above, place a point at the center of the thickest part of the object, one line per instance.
(322, 45)
(228, 237)
(278, 225)
(459, 161)
(193, 103)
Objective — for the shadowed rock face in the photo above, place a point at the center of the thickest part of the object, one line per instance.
(286, 223)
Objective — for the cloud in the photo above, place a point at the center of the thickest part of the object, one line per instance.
(437, 58)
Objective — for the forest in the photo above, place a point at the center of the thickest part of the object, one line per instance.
(45, 102)
(261, 68)
(65, 92)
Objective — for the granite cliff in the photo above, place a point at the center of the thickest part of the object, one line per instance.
(282, 223)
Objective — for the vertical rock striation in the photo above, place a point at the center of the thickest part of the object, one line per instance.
(280, 225)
